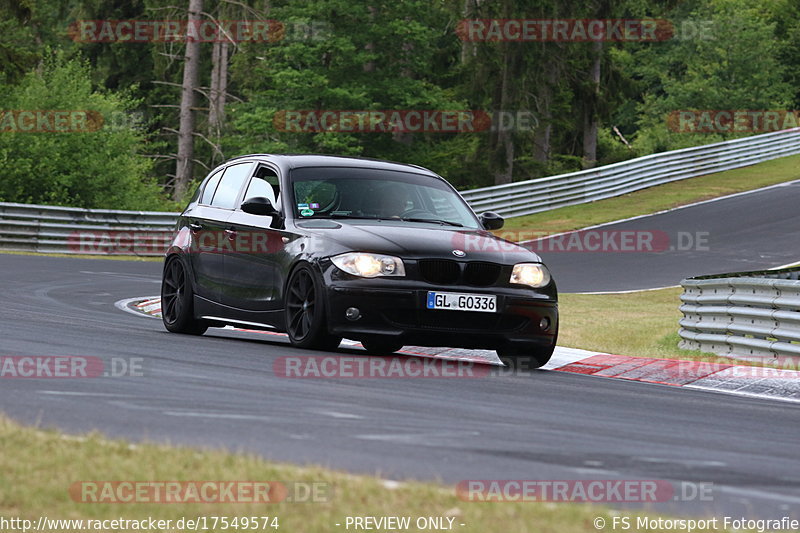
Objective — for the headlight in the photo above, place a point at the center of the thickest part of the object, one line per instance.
(531, 274)
(369, 265)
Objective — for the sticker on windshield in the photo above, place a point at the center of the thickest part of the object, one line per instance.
(314, 205)
(302, 206)
(307, 212)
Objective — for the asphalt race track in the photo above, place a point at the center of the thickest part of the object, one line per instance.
(752, 231)
(220, 390)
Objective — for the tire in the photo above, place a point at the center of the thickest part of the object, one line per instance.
(177, 300)
(381, 345)
(305, 312)
(525, 357)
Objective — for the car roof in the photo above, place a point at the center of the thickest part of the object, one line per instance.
(290, 161)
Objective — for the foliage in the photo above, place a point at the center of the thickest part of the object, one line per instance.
(381, 55)
(730, 62)
(74, 166)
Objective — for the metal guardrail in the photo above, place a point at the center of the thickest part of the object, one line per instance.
(50, 229)
(71, 230)
(745, 314)
(543, 194)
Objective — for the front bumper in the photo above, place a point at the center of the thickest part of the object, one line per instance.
(396, 308)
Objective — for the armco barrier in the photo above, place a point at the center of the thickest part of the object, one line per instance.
(50, 229)
(41, 228)
(743, 315)
(543, 194)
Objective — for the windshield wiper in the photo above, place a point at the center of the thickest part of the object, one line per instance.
(408, 219)
(434, 220)
(362, 217)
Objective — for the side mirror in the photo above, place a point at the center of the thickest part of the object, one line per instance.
(491, 220)
(260, 206)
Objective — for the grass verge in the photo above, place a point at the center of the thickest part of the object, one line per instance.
(659, 198)
(604, 323)
(38, 467)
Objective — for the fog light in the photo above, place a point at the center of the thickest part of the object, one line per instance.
(352, 313)
(544, 324)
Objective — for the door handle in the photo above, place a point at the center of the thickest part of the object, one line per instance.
(195, 227)
(231, 234)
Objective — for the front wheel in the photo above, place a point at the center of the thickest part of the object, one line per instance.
(177, 300)
(305, 312)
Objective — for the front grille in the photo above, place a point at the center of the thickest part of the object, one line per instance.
(449, 272)
(440, 271)
(481, 274)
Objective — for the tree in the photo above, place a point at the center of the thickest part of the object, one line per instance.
(786, 17)
(191, 65)
(17, 50)
(91, 163)
(338, 55)
(407, 55)
(733, 64)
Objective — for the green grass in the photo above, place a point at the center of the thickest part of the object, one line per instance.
(603, 323)
(659, 198)
(37, 469)
(639, 324)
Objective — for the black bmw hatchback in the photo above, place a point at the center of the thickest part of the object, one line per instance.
(325, 247)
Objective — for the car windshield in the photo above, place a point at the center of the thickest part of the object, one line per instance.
(364, 193)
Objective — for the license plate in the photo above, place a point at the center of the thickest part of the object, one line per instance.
(457, 301)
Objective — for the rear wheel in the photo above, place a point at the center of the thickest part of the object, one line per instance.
(177, 300)
(305, 312)
(381, 346)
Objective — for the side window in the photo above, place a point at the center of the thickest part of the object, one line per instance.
(259, 187)
(230, 185)
(265, 184)
(211, 186)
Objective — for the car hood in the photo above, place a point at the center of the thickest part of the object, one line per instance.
(419, 240)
